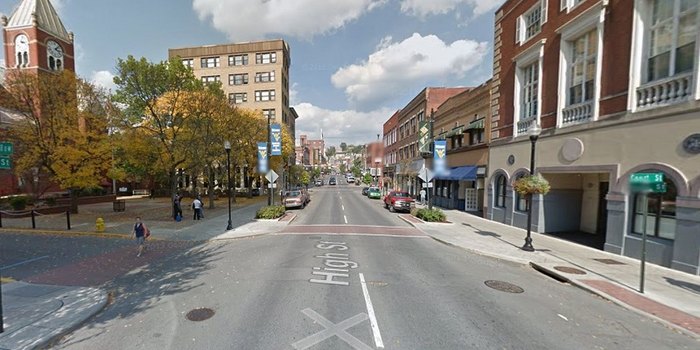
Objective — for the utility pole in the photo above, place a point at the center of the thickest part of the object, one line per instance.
(269, 158)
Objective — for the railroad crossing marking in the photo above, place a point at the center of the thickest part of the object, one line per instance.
(331, 330)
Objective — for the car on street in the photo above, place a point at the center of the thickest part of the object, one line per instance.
(374, 193)
(295, 199)
(399, 201)
(319, 182)
(331, 182)
(365, 190)
(351, 179)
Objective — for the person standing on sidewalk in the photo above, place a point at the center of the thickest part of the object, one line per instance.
(140, 232)
(197, 207)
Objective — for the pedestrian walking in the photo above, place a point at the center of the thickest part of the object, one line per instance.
(422, 197)
(140, 233)
(197, 207)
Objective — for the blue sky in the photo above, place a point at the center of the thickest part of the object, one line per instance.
(354, 62)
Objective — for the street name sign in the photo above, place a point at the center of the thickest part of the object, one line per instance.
(6, 148)
(5, 163)
(648, 182)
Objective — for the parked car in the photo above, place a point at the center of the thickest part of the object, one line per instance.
(351, 179)
(255, 192)
(365, 190)
(331, 182)
(319, 182)
(399, 201)
(374, 193)
(295, 199)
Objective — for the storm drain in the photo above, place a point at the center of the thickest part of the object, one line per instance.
(504, 286)
(609, 261)
(200, 314)
(569, 270)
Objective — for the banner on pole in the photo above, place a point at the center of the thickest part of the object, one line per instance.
(276, 140)
(262, 157)
(440, 158)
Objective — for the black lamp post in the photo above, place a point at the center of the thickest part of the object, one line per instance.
(534, 133)
(227, 147)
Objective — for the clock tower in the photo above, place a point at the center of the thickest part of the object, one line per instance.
(36, 40)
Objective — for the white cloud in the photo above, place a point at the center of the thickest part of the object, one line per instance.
(396, 67)
(424, 8)
(348, 126)
(294, 94)
(304, 19)
(104, 79)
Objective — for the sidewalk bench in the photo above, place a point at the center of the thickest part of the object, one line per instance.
(141, 192)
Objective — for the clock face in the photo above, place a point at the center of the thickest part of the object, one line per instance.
(54, 49)
(21, 43)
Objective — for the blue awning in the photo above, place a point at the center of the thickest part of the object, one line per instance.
(461, 173)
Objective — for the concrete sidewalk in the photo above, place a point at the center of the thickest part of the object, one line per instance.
(671, 297)
(37, 314)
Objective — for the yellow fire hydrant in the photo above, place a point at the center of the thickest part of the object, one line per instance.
(100, 225)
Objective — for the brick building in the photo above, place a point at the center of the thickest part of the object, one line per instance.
(611, 102)
(391, 133)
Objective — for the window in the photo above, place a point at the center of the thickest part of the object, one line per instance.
(264, 77)
(237, 97)
(22, 51)
(533, 22)
(269, 113)
(477, 136)
(264, 95)
(529, 91)
(266, 58)
(238, 79)
(500, 195)
(661, 216)
(211, 79)
(583, 68)
(521, 202)
(210, 62)
(568, 5)
(188, 62)
(672, 35)
(238, 60)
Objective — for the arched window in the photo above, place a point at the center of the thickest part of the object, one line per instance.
(661, 213)
(521, 202)
(22, 50)
(500, 191)
(52, 63)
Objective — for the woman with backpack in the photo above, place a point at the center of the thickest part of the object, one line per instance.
(140, 233)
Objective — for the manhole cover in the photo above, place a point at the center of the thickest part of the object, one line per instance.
(610, 261)
(504, 286)
(200, 314)
(570, 270)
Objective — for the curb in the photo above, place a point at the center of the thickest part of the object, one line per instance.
(413, 224)
(608, 297)
(67, 233)
(55, 338)
(482, 253)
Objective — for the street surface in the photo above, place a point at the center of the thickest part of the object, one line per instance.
(347, 274)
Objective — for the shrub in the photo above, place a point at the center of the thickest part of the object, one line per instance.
(19, 203)
(531, 184)
(51, 201)
(271, 212)
(430, 215)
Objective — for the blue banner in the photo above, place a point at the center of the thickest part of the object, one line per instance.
(276, 140)
(262, 157)
(440, 158)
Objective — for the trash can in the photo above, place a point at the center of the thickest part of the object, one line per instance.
(119, 205)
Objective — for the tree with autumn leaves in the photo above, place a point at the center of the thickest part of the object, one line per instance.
(63, 132)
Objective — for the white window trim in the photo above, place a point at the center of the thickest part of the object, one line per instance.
(639, 50)
(520, 25)
(570, 5)
(594, 18)
(534, 53)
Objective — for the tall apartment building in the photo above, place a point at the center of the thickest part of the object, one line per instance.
(254, 75)
(615, 86)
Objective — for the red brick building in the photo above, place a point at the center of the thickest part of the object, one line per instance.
(390, 131)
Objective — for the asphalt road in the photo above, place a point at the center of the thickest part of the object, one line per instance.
(277, 292)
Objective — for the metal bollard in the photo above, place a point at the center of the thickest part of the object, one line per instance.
(68, 219)
(33, 219)
(0, 218)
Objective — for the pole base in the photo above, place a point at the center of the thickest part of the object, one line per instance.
(528, 245)
(230, 226)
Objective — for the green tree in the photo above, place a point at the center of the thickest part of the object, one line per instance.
(343, 146)
(343, 168)
(367, 179)
(153, 95)
(330, 152)
(63, 131)
(305, 178)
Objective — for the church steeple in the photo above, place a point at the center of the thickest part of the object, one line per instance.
(36, 39)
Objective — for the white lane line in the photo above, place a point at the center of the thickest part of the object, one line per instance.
(346, 219)
(370, 311)
(342, 206)
(23, 262)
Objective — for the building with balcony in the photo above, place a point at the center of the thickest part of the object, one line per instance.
(614, 86)
(464, 122)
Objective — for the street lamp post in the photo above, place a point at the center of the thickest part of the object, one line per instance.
(534, 133)
(227, 147)
(269, 158)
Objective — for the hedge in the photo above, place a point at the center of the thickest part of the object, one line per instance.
(271, 212)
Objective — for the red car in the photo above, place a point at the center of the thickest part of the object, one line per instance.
(399, 201)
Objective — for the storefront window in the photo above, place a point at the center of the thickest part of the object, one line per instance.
(661, 214)
(500, 191)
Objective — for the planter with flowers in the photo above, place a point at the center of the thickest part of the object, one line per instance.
(531, 185)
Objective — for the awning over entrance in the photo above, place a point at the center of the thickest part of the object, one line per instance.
(462, 173)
